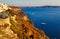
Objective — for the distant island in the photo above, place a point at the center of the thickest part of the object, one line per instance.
(50, 6)
(46, 6)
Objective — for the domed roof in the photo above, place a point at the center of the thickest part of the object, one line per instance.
(3, 16)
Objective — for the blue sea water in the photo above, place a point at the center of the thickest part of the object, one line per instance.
(49, 16)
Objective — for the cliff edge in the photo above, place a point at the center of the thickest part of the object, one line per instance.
(15, 24)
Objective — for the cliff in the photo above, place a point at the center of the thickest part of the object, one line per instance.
(15, 24)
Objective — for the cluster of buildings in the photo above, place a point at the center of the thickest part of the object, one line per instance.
(4, 7)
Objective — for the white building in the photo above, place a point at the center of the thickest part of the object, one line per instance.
(4, 7)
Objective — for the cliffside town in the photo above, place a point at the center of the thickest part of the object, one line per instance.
(15, 24)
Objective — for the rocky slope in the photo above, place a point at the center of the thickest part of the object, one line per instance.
(15, 24)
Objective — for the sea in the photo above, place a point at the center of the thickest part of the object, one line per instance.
(46, 19)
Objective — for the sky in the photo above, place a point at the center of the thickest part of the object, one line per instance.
(31, 2)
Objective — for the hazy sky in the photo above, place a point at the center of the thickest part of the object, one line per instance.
(31, 2)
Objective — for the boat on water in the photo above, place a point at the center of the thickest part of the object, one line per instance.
(43, 23)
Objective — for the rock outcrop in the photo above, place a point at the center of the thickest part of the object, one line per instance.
(15, 24)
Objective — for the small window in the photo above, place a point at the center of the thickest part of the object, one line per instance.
(31, 36)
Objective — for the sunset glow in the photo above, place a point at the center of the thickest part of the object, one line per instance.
(31, 2)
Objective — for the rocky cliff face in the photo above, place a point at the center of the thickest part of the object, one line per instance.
(15, 24)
